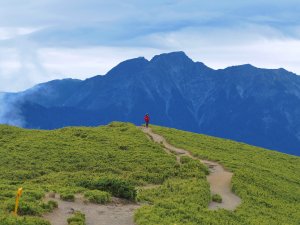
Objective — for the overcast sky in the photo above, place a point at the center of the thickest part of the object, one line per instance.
(41, 40)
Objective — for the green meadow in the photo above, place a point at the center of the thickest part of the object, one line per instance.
(118, 160)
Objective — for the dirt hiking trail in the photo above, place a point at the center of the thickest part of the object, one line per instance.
(219, 178)
(115, 213)
(121, 212)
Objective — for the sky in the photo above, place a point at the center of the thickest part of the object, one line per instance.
(42, 40)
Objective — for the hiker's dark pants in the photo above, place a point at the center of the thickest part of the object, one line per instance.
(147, 123)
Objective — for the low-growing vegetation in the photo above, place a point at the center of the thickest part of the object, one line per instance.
(216, 198)
(267, 181)
(13, 220)
(67, 197)
(96, 196)
(77, 219)
(115, 160)
(117, 187)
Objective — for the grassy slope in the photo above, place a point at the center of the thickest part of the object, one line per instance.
(267, 181)
(42, 161)
(60, 160)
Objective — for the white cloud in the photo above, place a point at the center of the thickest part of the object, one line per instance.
(18, 72)
(260, 45)
(263, 53)
(84, 38)
(9, 111)
(50, 63)
(7, 33)
(85, 62)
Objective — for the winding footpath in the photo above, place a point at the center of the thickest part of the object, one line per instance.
(218, 178)
(121, 212)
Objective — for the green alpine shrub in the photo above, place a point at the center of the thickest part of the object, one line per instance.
(96, 196)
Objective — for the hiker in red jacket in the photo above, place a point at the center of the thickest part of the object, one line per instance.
(147, 119)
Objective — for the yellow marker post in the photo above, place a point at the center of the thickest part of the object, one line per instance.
(19, 193)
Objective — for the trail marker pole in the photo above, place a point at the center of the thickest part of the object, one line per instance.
(19, 193)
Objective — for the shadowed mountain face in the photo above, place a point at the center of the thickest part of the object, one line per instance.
(244, 103)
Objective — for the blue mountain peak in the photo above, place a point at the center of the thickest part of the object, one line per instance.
(174, 57)
(129, 66)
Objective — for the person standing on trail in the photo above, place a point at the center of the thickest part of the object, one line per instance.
(147, 119)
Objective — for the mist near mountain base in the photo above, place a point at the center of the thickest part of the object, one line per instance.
(10, 112)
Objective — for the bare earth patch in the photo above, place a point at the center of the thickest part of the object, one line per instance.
(115, 213)
(219, 178)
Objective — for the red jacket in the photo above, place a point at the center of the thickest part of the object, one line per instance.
(146, 118)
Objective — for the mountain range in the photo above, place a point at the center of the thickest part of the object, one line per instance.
(244, 103)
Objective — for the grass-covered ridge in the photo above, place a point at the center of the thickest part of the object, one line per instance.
(267, 181)
(119, 158)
